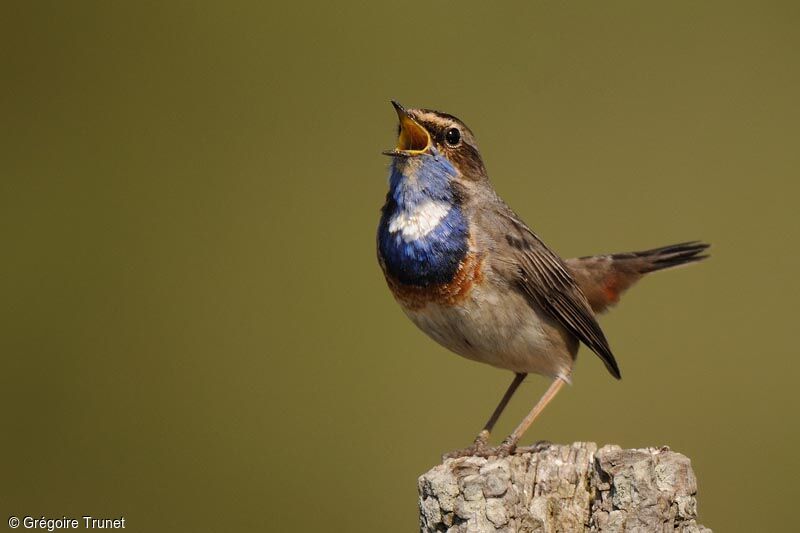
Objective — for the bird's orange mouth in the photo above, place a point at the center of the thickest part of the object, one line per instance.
(413, 138)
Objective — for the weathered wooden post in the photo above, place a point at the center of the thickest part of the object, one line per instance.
(562, 488)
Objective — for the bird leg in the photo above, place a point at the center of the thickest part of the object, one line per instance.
(479, 446)
(510, 443)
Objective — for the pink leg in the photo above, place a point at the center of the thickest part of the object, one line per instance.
(510, 443)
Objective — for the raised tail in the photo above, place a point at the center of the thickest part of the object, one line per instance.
(603, 278)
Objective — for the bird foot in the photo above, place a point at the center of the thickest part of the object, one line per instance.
(479, 445)
(480, 448)
(535, 448)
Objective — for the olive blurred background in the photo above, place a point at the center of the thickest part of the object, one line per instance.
(195, 332)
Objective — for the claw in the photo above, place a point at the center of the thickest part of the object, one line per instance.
(535, 448)
(505, 449)
(480, 449)
(469, 451)
(477, 448)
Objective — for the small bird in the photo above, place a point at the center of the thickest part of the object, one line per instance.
(474, 277)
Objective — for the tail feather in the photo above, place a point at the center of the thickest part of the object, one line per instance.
(603, 278)
(665, 257)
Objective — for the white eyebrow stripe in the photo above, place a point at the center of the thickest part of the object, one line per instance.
(418, 221)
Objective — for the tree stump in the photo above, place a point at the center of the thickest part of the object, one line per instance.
(569, 488)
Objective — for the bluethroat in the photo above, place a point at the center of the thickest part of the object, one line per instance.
(473, 276)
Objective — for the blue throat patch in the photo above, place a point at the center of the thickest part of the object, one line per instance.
(434, 257)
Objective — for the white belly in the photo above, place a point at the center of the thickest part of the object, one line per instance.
(500, 329)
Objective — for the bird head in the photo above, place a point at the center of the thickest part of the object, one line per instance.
(425, 133)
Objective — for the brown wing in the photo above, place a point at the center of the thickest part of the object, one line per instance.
(545, 279)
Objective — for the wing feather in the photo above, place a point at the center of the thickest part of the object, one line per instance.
(543, 277)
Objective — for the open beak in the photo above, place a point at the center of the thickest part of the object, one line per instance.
(413, 139)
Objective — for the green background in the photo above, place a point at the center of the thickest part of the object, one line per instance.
(195, 332)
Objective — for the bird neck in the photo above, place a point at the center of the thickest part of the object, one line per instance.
(423, 234)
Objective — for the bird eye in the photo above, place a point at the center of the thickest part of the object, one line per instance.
(452, 136)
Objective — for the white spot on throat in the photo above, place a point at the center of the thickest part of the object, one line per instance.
(416, 222)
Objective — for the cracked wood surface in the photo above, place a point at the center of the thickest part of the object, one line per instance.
(569, 488)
